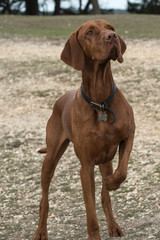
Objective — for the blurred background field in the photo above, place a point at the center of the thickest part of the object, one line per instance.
(56, 27)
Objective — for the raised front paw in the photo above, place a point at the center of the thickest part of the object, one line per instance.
(41, 235)
(114, 230)
(111, 184)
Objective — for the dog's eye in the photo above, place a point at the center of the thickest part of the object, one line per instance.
(111, 28)
(90, 32)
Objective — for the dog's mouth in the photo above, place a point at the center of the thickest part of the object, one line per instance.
(112, 55)
(113, 52)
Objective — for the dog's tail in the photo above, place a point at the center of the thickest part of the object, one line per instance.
(42, 150)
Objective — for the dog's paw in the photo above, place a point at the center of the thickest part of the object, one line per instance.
(41, 235)
(114, 230)
(110, 183)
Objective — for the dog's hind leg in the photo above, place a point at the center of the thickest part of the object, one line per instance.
(57, 143)
(113, 228)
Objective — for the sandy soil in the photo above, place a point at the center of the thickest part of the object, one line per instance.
(31, 78)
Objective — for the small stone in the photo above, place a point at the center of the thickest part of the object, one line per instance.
(157, 174)
(151, 237)
(52, 216)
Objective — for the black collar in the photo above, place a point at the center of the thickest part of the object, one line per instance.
(101, 106)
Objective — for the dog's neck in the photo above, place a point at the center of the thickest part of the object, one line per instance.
(97, 80)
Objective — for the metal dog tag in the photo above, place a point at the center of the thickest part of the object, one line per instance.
(102, 116)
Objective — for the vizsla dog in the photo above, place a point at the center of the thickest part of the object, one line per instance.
(96, 118)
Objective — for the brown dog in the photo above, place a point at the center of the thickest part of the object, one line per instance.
(96, 118)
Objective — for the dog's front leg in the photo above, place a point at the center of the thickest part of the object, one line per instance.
(88, 186)
(113, 182)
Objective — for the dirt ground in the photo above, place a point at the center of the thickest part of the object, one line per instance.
(31, 78)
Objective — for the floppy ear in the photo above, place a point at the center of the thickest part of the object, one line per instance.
(123, 45)
(121, 49)
(72, 53)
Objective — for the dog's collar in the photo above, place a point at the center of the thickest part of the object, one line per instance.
(101, 106)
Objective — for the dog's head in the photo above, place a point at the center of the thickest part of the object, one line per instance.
(96, 40)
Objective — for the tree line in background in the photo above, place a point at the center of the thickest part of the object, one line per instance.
(145, 6)
(32, 7)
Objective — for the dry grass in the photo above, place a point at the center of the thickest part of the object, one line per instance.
(32, 78)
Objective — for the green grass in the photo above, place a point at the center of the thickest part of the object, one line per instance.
(132, 26)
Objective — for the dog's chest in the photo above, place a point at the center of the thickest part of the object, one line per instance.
(98, 144)
(102, 145)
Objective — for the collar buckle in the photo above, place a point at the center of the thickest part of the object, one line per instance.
(101, 106)
(95, 106)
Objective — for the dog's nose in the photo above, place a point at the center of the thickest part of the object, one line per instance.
(111, 36)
